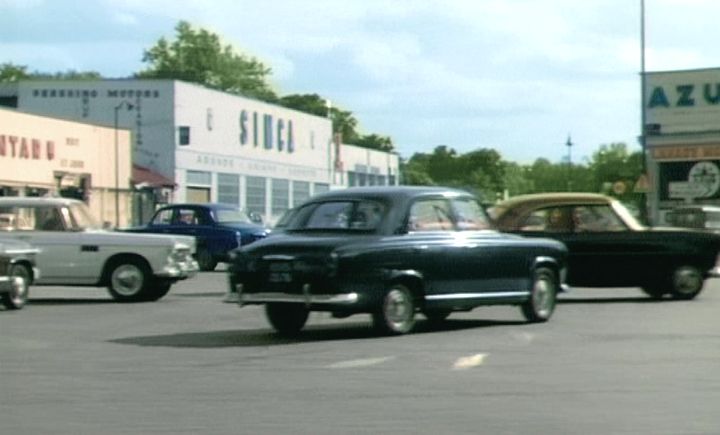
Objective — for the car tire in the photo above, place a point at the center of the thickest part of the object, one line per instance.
(129, 281)
(543, 296)
(437, 316)
(287, 319)
(20, 288)
(396, 313)
(656, 291)
(686, 282)
(159, 289)
(205, 260)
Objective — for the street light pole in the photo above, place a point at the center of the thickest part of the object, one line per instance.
(569, 145)
(117, 160)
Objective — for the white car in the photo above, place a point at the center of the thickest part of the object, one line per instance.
(17, 267)
(75, 251)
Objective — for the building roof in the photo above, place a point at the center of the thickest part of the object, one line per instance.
(150, 178)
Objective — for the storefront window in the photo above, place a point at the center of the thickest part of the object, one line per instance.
(301, 192)
(229, 189)
(199, 177)
(320, 188)
(280, 196)
(255, 193)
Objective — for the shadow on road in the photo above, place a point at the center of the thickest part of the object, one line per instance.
(623, 300)
(73, 301)
(267, 337)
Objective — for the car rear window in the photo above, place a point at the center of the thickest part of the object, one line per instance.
(339, 215)
(231, 216)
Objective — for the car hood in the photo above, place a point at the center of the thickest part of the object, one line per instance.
(139, 239)
(15, 247)
(244, 227)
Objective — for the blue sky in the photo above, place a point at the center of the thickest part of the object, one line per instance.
(517, 76)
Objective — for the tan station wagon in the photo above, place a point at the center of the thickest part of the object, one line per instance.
(75, 251)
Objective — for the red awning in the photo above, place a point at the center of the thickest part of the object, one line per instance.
(142, 175)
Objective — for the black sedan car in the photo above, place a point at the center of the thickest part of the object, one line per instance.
(609, 248)
(393, 252)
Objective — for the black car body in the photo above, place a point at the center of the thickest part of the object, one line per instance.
(609, 248)
(393, 251)
(217, 228)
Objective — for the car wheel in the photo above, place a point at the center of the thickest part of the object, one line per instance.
(687, 282)
(541, 303)
(18, 295)
(437, 316)
(286, 319)
(655, 290)
(396, 314)
(159, 289)
(205, 260)
(129, 281)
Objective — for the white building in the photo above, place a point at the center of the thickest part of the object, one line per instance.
(47, 156)
(217, 147)
(683, 138)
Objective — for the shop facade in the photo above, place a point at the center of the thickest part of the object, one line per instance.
(682, 136)
(214, 146)
(43, 156)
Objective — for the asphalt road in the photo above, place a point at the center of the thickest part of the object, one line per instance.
(609, 362)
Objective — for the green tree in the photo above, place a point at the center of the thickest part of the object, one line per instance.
(614, 166)
(343, 122)
(376, 142)
(198, 56)
(13, 73)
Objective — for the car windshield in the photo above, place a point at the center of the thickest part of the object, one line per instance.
(224, 216)
(626, 216)
(81, 217)
(339, 215)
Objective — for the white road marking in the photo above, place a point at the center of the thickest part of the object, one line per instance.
(353, 363)
(468, 362)
(525, 337)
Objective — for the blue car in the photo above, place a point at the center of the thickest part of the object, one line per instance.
(218, 229)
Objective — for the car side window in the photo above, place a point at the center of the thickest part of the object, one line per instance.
(48, 219)
(163, 217)
(430, 215)
(16, 219)
(596, 218)
(470, 215)
(186, 216)
(552, 219)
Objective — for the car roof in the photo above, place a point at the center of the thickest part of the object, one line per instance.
(36, 200)
(392, 192)
(554, 198)
(210, 205)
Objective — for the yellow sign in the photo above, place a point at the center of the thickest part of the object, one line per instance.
(689, 152)
(642, 185)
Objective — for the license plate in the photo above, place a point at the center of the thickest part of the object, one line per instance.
(280, 272)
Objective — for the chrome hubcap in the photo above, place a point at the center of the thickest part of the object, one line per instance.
(127, 280)
(19, 290)
(543, 297)
(687, 280)
(398, 309)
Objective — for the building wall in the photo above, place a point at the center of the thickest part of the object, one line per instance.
(41, 155)
(683, 139)
(216, 146)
